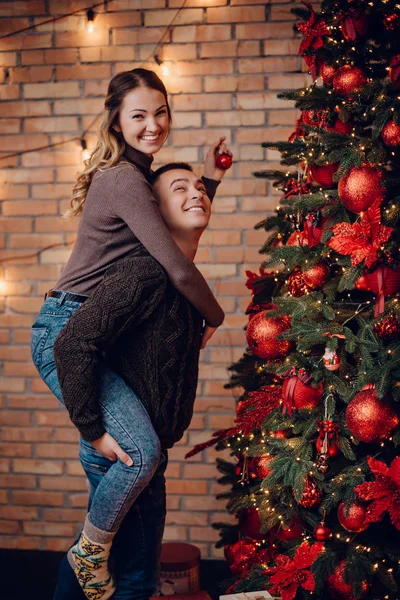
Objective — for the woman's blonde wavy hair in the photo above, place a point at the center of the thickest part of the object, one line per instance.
(111, 145)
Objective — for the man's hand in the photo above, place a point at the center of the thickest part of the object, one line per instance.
(208, 332)
(210, 168)
(109, 448)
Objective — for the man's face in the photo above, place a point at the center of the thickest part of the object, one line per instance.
(182, 200)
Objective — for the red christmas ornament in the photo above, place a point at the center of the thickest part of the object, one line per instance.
(391, 22)
(382, 282)
(259, 466)
(338, 589)
(224, 161)
(333, 447)
(394, 71)
(349, 80)
(296, 285)
(293, 532)
(391, 134)
(322, 533)
(361, 187)
(353, 517)
(249, 524)
(299, 395)
(323, 174)
(312, 495)
(297, 238)
(355, 24)
(329, 430)
(388, 328)
(261, 336)
(313, 228)
(312, 117)
(316, 277)
(327, 73)
(369, 418)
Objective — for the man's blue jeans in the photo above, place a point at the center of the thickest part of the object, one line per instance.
(114, 486)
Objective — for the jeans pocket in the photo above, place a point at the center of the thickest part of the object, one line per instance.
(39, 336)
(92, 461)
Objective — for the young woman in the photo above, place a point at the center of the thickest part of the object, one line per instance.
(119, 213)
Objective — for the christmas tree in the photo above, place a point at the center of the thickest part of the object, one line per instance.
(315, 484)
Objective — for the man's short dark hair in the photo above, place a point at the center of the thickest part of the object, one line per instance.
(169, 167)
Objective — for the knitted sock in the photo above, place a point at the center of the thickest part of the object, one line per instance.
(89, 561)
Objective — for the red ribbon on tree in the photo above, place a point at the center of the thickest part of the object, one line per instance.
(294, 376)
(394, 70)
(314, 30)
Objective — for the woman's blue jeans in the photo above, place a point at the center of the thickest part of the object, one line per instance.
(114, 486)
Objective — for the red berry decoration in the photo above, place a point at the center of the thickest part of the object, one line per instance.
(388, 328)
(322, 533)
(327, 73)
(338, 589)
(391, 134)
(316, 277)
(394, 71)
(224, 161)
(323, 175)
(361, 187)
(296, 285)
(349, 80)
(353, 517)
(312, 495)
(261, 336)
(369, 418)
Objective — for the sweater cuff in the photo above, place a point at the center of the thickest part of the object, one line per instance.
(211, 186)
(92, 432)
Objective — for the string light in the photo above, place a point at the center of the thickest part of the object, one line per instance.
(85, 150)
(90, 20)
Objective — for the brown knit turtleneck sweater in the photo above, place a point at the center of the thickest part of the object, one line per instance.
(119, 214)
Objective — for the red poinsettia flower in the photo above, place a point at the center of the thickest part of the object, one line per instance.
(384, 491)
(313, 30)
(361, 240)
(288, 575)
(253, 277)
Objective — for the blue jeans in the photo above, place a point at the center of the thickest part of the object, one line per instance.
(114, 486)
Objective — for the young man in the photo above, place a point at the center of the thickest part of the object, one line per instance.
(137, 324)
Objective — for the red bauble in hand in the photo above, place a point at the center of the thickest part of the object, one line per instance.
(338, 589)
(261, 336)
(361, 187)
(349, 80)
(353, 517)
(369, 418)
(224, 161)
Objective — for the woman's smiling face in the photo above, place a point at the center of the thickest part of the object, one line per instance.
(143, 120)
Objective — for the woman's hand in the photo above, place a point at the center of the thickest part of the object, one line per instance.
(109, 448)
(211, 171)
(208, 332)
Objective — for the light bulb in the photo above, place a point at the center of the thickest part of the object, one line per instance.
(90, 27)
(86, 154)
(164, 70)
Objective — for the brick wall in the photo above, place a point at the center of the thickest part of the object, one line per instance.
(228, 59)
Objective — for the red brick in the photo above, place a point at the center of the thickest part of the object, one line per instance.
(164, 17)
(235, 15)
(141, 35)
(74, 484)
(24, 42)
(202, 102)
(50, 124)
(267, 65)
(72, 39)
(110, 53)
(186, 518)
(18, 513)
(48, 57)
(52, 90)
(20, 543)
(219, 49)
(26, 109)
(50, 467)
(31, 74)
(10, 126)
(9, 92)
(9, 527)
(42, 498)
(52, 529)
(57, 419)
(17, 481)
(235, 118)
(84, 72)
(201, 33)
(8, 59)
(57, 544)
(26, 434)
(68, 515)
